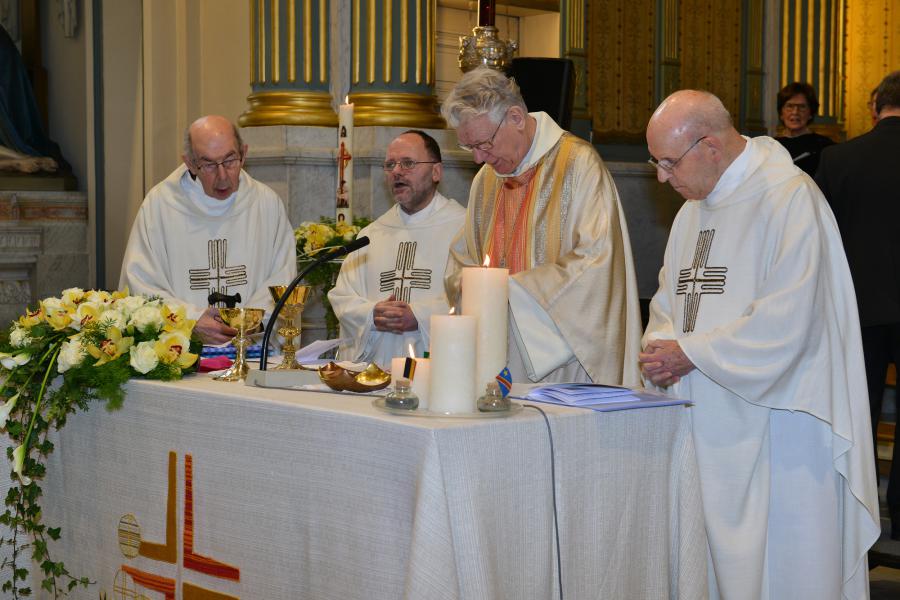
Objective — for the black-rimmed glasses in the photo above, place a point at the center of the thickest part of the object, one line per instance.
(667, 165)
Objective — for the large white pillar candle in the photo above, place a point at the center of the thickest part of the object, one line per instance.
(485, 295)
(421, 381)
(345, 163)
(452, 373)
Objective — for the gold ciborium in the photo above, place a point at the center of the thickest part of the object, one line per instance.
(244, 320)
(291, 310)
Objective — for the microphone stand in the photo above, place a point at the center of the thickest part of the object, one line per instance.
(339, 251)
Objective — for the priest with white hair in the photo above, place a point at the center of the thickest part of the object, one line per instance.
(755, 322)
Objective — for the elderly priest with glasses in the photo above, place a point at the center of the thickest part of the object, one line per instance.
(386, 292)
(210, 227)
(545, 207)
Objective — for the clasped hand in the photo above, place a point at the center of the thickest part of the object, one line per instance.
(664, 363)
(394, 316)
(211, 329)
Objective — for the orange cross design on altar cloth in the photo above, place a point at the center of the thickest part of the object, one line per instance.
(132, 545)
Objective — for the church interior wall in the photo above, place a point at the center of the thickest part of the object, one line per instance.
(166, 62)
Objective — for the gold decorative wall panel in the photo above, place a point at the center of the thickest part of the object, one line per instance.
(711, 48)
(621, 58)
(873, 50)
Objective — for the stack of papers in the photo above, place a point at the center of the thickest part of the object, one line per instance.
(598, 397)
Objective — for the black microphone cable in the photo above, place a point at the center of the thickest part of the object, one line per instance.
(553, 488)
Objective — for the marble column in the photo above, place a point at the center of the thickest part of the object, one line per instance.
(392, 54)
(289, 66)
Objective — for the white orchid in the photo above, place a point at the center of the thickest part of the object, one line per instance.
(7, 408)
(11, 361)
(19, 464)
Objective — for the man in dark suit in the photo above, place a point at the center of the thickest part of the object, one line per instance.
(859, 179)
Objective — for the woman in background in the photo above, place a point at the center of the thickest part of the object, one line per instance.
(797, 107)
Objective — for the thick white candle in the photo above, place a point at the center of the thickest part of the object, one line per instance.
(485, 295)
(397, 367)
(421, 381)
(452, 373)
(345, 162)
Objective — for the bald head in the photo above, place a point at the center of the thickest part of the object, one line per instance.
(691, 135)
(214, 152)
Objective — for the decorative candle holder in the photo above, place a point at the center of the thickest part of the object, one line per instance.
(372, 379)
(292, 309)
(244, 320)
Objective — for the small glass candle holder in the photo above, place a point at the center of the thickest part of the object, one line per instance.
(401, 396)
(493, 400)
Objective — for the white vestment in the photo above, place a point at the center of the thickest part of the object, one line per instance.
(574, 312)
(406, 257)
(185, 245)
(756, 289)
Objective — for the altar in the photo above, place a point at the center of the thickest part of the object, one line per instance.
(204, 489)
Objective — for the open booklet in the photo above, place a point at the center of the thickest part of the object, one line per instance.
(597, 397)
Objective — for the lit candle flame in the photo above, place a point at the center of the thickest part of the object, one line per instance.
(412, 353)
(487, 261)
(346, 99)
(452, 310)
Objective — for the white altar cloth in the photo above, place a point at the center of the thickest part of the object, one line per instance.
(322, 496)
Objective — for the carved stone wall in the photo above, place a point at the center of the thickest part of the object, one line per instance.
(43, 247)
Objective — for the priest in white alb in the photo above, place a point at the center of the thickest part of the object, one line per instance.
(210, 227)
(545, 207)
(386, 292)
(755, 322)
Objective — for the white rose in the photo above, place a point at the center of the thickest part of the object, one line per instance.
(143, 357)
(129, 304)
(114, 318)
(71, 354)
(147, 316)
(18, 336)
(52, 305)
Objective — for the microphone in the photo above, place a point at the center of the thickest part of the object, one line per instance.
(325, 257)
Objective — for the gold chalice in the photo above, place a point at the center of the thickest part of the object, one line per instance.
(291, 310)
(244, 320)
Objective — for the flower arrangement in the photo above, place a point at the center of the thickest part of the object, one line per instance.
(314, 237)
(55, 359)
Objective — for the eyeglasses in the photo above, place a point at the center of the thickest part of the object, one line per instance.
(487, 144)
(794, 106)
(211, 167)
(667, 165)
(405, 165)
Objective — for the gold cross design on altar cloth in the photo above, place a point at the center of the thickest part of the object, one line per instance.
(699, 279)
(129, 581)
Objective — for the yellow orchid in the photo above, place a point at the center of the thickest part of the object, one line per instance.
(176, 320)
(173, 347)
(121, 294)
(56, 313)
(72, 296)
(32, 317)
(19, 464)
(87, 312)
(111, 348)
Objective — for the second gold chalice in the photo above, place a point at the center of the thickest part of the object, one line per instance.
(292, 309)
(244, 320)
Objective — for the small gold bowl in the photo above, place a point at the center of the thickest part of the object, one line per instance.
(340, 379)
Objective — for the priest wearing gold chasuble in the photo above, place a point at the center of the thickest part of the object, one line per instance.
(545, 207)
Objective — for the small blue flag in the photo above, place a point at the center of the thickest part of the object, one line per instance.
(504, 380)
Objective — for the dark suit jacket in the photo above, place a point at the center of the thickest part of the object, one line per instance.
(861, 180)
